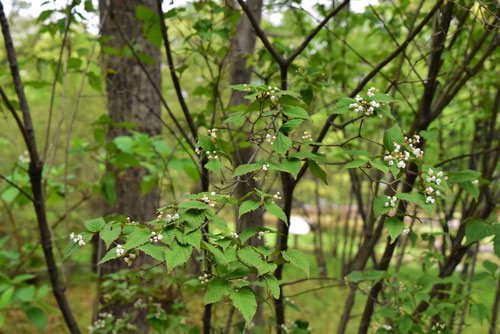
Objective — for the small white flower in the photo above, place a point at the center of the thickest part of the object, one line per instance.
(429, 200)
(429, 190)
(438, 181)
(213, 193)
(233, 235)
(440, 174)
(175, 216)
(265, 167)
(119, 250)
(401, 164)
(406, 231)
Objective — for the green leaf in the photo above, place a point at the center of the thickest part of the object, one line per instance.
(496, 241)
(467, 175)
(109, 234)
(156, 252)
(177, 255)
(110, 255)
(217, 288)
(297, 259)
(37, 316)
(342, 105)
(6, 297)
(95, 225)
(355, 163)
(477, 229)
(394, 226)
(26, 293)
(317, 170)
(380, 165)
(282, 143)
(379, 207)
(295, 112)
(291, 166)
(136, 239)
(246, 168)
(193, 238)
(471, 188)
(405, 324)
(383, 98)
(291, 124)
(276, 211)
(214, 165)
(273, 285)
(393, 135)
(193, 205)
(250, 257)
(244, 300)
(248, 206)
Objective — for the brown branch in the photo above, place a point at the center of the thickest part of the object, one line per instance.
(35, 175)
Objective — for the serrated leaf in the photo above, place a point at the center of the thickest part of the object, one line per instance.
(136, 239)
(193, 238)
(248, 206)
(276, 211)
(394, 226)
(245, 302)
(214, 165)
(383, 98)
(342, 105)
(110, 255)
(295, 112)
(291, 124)
(393, 135)
(156, 252)
(380, 165)
(291, 166)
(108, 235)
(94, 225)
(471, 188)
(467, 175)
(177, 255)
(379, 207)
(477, 229)
(316, 169)
(273, 285)
(356, 163)
(250, 257)
(297, 259)
(193, 205)
(246, 168)
(217, 288)
(282, 143)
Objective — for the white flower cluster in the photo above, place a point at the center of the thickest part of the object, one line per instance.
(205, 278)
(387, 327)
(391, 201)
(119, 250)
(212, 155)
(306, 136)
(155, 237)
(436, 178)
(412, 144)
(277, 196)
(261, 235)
(77, 239)
(367, 107)
(213, 133)
(129, 259)
(207, 200)
(270, 138)
(168, 218)
(234, 235)
(100, 323)
(265, 167)
(24, 158)
(439, 327)
(271, 93)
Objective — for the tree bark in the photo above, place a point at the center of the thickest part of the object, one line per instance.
(130, 98)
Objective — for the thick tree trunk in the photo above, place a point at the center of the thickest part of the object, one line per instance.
(130, 98)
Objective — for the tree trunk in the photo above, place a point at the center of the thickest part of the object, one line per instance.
(242, 46)
(130, 98)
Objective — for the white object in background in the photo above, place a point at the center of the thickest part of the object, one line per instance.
(299, 225)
